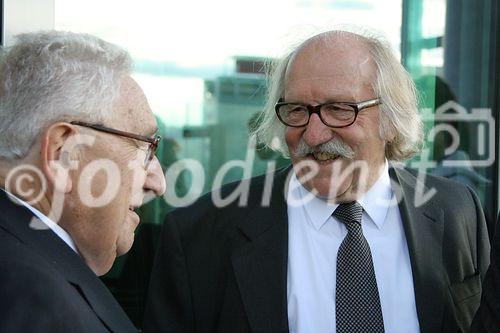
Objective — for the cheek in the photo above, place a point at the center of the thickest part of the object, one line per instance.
(361, 134)
(352, 136)
(125, 237)
(370, 124)
(292, 137)
(370, 146)
(134, 183)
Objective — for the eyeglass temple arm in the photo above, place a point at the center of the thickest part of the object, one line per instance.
(367, 104)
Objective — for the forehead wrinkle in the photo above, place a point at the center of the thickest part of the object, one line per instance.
(305, 92)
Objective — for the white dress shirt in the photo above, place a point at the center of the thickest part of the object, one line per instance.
(60, 232)
(314, 240)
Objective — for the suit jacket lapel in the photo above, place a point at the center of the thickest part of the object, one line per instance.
(17, 220)
(423, 226)
(260, 264)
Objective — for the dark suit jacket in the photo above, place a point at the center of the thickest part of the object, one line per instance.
(487, 318)
(225, 269)
(45, 286)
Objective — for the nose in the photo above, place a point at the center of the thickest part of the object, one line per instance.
(316, 132)
(155, 179)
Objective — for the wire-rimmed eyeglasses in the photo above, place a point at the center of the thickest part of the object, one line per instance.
(153, 141)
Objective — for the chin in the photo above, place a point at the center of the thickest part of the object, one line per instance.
(126, 238)
(328, 186)
(101, 265)
(124, 246)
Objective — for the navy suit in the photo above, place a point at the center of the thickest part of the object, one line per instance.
(45, 286)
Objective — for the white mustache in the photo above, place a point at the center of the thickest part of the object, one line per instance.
(335, 146)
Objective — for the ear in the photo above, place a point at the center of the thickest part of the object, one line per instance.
(54, 158)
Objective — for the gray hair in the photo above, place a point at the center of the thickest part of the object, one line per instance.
(53, 76)
(399, 115)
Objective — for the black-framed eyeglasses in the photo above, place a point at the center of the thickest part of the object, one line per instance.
(153, 141)
(332, 114)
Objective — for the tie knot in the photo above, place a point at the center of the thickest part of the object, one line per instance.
(349, 212)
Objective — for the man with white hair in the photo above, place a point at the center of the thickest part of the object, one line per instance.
(77, 148)
(358, 245)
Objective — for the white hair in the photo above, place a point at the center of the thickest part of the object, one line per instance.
(53, 76)
(399, 117)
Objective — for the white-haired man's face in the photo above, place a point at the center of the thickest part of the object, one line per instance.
(339, 70)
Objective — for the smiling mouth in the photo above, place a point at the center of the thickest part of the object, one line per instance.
(324, 156)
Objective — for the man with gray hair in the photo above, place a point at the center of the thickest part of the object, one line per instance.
(356, 246)
(77, 157)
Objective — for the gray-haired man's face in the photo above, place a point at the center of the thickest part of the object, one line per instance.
(108, 230)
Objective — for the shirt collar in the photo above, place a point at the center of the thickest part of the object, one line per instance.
(375, 201)
(60, 232)
(318, 210)
(378, 199)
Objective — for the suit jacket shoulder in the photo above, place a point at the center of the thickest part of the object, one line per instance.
(45, 285)
(35, 297)
(220, 208)
(201, 282)
(449, 248)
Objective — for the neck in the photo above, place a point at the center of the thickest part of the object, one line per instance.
(375, 175)
(360, 184)
(27, 188)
